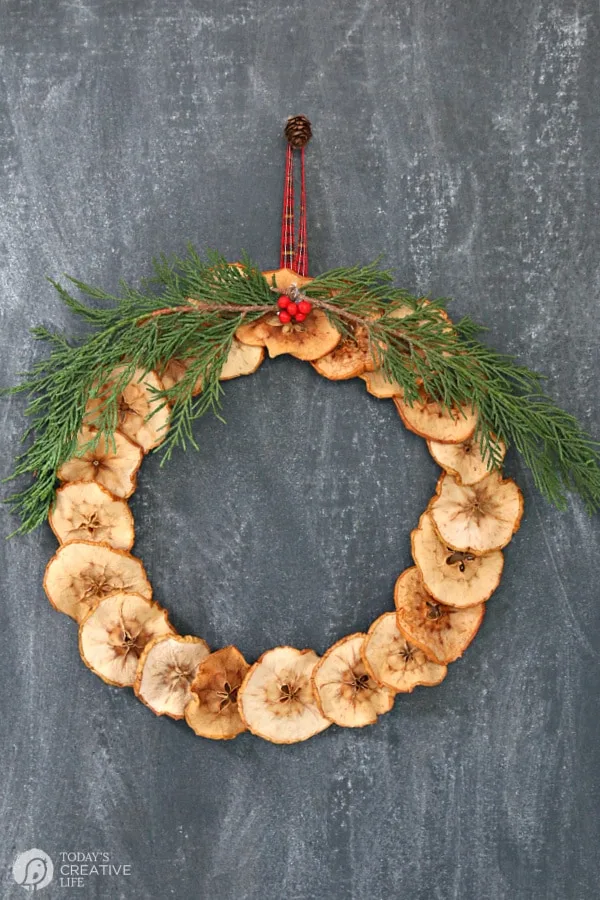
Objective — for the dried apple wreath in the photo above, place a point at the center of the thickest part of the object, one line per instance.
(155, 362)
(288, 694)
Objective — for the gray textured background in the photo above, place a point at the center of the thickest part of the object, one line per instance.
(460, 139)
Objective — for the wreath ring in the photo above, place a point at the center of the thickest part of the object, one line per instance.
(155, 363)
(287, 695)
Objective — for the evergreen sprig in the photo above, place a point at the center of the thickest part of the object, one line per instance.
(192, 308)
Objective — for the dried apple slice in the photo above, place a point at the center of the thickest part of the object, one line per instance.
(113, 635)
(452, 576)
(174, 371)
(113, 463)
(464, 461)
(352, 357)
(401, 311)
(213, 710)
(377, 383)
(308, 340)
(165, 671)
(477, 518)
(429, 420)
(85, 511)
(241, 360)
(255, 334)
(137, 402)
(380, 386)
(442, 632)
(346, 693)
(276, 699)
(392, 661)
(376, 380)
(285, 278)
(81, 573)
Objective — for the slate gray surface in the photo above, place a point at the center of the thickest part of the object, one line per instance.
(461, 140)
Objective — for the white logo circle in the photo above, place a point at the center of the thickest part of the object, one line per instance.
(33, 870)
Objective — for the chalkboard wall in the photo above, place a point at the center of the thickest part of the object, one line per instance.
(462, 141)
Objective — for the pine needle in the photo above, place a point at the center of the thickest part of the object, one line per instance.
(192, 308)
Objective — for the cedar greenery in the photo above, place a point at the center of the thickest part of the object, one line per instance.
(192, 309)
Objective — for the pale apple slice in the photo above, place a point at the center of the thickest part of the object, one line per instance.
(276, 699)
(84, 510)
(242, 359)
(81, 573)
(477, 518)
(465, 461)
(165, 672)
(113, 635)
(392, 661)
(452, 576)
(442, 632)
(346, 693)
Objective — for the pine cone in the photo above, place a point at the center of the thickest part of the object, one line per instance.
(298, 131)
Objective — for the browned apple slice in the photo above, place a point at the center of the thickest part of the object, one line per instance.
(241, 360)
(175, 370)
(285, 278)
(113, 463)
(442, 632)
(213, 710)
(141, 415)
(351, 357)
(380, 386)
(429, 420)
(308, 340)
(255, 334)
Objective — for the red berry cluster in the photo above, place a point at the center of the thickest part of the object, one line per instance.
(293, 312)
